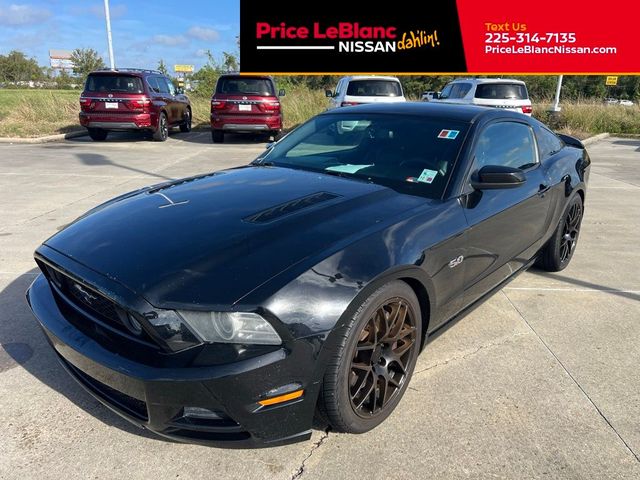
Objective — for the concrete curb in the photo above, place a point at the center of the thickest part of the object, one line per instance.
(595, 139)
(47, 139)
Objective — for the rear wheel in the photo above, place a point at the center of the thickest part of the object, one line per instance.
(558, 252)
(186, 125)
(97, 134)
(162, 132)
(217, 136)
(376, 355)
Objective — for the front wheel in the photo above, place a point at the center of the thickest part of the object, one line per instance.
(558, 252)
(97, 134)
(376, 355)
(186, 125)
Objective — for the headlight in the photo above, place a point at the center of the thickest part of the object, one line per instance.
(231, 327)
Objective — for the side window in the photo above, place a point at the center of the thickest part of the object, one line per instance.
(339, 88)
(162, 85)
(153, 84)
(446, 91)
(170, 86)
(459, 90)
(508, 144)
(548, 143)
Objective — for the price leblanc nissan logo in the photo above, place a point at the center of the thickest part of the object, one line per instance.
(345, 37)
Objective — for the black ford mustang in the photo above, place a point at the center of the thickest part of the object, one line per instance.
(229, 308)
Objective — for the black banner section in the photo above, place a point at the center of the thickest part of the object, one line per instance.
(350, 36)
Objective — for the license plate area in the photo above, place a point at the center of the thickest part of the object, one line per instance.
(244, 108)
(113, 105)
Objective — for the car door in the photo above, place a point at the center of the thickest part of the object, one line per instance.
(176, 104)
(506, 225)
(165, 96)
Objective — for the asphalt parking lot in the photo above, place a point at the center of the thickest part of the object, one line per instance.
(541, 381)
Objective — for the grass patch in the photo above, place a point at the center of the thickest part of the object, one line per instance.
(583, 119)
(33, 113)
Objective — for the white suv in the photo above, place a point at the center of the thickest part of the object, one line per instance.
(366, 89)
(488, 92)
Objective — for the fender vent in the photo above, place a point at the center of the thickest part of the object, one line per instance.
(290, 207)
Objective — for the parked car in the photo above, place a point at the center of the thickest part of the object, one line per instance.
(611, 101)
(626, 103)
(245, 104)
(429, 95)
(356, 90)
(226, 308)
(133, 99)
(500, 93)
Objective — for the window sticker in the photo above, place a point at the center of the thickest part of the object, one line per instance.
(427, 176)
(448, 134)
(348, 168)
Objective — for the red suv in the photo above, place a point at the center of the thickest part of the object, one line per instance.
(133, 99)
(245, 104)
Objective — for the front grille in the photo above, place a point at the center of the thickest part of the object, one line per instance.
(88, 299)
(122, 401)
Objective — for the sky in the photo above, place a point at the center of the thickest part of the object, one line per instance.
(179, 32)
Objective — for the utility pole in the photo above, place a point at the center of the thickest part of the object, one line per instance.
(556, 103)
(107, 15)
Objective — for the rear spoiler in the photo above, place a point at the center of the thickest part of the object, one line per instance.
(571, 141)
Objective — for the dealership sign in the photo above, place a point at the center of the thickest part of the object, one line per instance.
(183, 68)
(463, 36)
(60, 59)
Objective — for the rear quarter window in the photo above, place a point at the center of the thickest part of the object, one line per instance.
(502, 91)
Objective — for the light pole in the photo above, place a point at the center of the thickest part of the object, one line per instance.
(556, 103)
(107, 15)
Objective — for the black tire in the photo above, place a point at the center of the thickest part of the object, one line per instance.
(162, 132)
(217, 136)
(558, 251)
(186, 125)
(97, 134)
(352, 398)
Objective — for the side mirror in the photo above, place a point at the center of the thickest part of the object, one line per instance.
(328, 93)
(436, 95)
(269, 145)
(179, 91)
(497, 176)
(281, 93)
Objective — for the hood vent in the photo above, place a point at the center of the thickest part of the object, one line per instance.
(290, 207)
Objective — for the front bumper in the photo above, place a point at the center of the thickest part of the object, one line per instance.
(155, 398)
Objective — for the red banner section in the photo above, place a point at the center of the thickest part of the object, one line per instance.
(550, 36)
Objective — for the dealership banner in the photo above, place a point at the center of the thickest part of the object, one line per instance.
(449, 36)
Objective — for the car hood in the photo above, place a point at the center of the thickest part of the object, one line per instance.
(210, 240)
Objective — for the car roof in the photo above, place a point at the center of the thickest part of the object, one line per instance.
(370, 77)
(129, 71)
(238, 75)
(479, 81)
(461, 113)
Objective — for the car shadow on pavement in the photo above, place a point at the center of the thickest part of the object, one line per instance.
(98, 160)
(584, 284)
(22, 344)
(628, 142)
(204, 137)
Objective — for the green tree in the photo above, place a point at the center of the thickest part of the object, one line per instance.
(230, 62)
(16, 67)
(85, 61)
(162, 67)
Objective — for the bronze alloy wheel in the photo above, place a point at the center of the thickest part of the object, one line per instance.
(381, 357)
(570, 232)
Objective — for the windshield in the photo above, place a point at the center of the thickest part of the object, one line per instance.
(374, 88)
(245, 86)
(114, 83)
(502, 91)
(411, 154)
